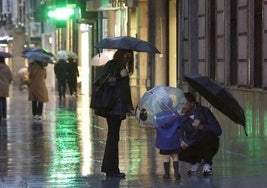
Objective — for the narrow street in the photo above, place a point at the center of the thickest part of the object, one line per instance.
(65, 148)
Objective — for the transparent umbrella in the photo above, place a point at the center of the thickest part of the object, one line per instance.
(159, 105)
(102, 58)
(22, 72)
(62, 54)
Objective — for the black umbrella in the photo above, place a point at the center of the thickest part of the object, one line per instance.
(218, 96)
(127, 43)
(5, 54)
(41, 50)
(38, 56)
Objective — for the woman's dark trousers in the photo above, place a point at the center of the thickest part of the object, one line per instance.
(111, 156)
(72, 85)
(61, 84)
(37, 108)
(3, 107)
(204, 149)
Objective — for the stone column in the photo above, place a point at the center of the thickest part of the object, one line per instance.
(161, 37)
(138, 80)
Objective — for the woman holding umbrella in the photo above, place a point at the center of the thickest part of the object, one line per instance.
(5, 80)
(119, 69)
(37, 90)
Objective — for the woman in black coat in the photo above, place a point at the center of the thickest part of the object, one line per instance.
(119, 69)
(73, 73)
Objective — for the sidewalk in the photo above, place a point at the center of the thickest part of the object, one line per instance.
(65, 149)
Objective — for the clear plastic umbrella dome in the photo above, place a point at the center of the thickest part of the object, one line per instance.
(159, 104)
(102, 58)
(62, 54)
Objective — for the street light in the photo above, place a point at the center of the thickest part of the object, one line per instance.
(61, 13)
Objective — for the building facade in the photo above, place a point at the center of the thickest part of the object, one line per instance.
(225, 40)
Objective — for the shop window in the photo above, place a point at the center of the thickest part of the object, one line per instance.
(233, 43)
(258, 44)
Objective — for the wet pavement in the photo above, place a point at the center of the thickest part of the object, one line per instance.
(65, 148)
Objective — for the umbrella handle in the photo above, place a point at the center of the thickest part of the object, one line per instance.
(245, 130)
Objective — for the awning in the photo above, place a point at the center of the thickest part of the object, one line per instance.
(5, 40)
(103, 5)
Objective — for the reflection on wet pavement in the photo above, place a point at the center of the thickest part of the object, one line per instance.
(65, 149)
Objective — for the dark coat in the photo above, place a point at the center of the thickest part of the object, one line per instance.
(168, 125)
(122, 97)
(5, 79)
(72, 70)
(190, 134)
(60, 70)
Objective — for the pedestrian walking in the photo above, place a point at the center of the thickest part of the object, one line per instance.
(199, 136)
(5, 81)
(118, 71)
(73, 73)
(38, 93)
(60, 70)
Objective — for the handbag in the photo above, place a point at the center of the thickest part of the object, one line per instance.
(102, 98)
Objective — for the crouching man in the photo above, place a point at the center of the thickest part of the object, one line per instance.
(199, 136)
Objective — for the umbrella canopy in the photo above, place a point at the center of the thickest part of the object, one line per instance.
(62, 54)
(22, 71)
(127, 43)
(159, 106)
(5, 54)
(102, 58)
(38, 56)
(218, 96)
(72, 55)
(34, 49)
(65, 55)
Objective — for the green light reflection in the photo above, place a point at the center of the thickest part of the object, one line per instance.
(265, 124)
(65, 161)
(248, 114)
